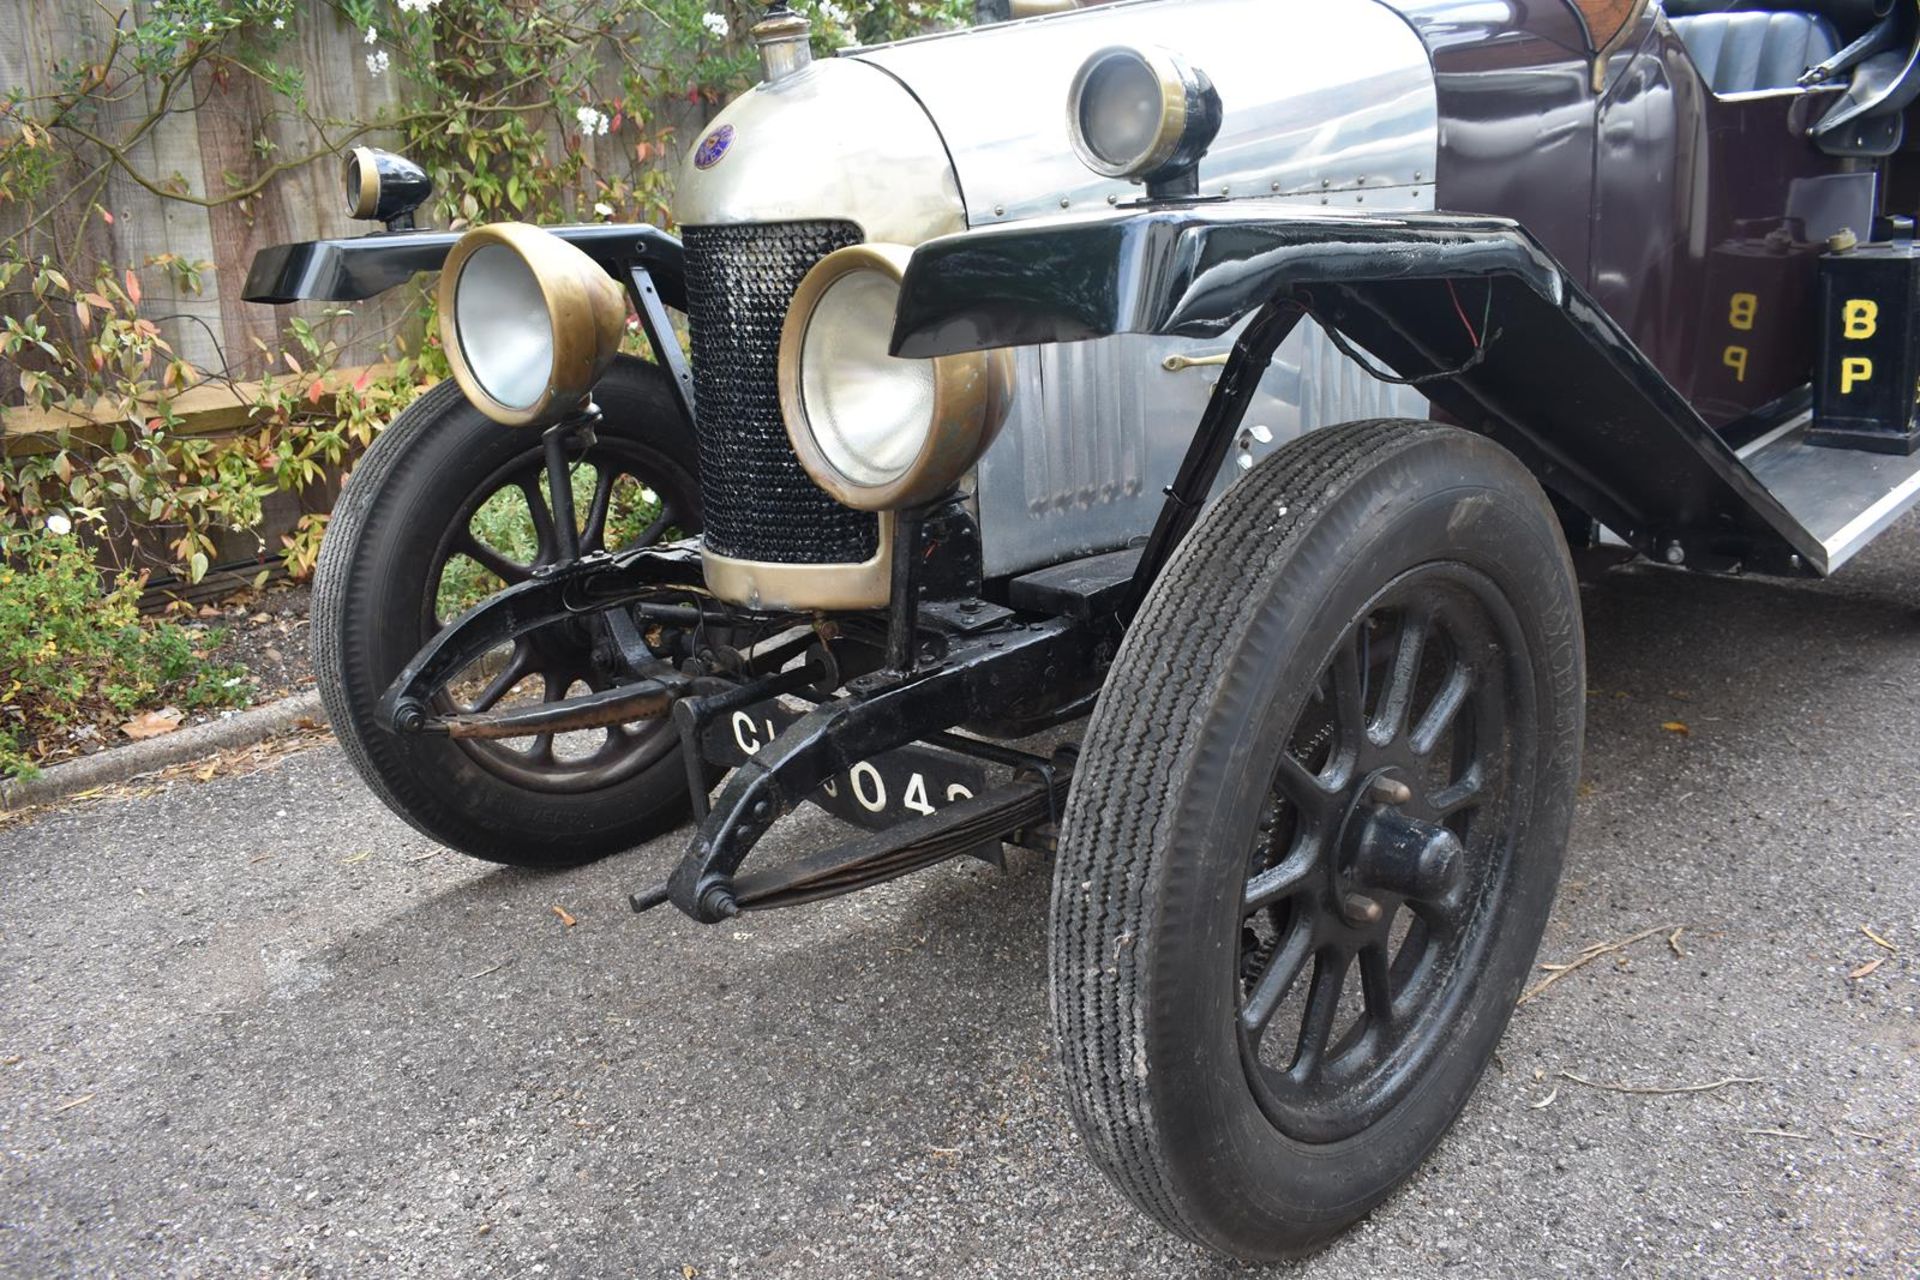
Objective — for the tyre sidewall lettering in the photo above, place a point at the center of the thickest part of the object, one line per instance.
(1249, 749)
(1369, 503)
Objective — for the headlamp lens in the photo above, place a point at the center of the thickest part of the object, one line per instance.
(1120, 110)
(504, 330)
(869, 411)
(350, 180)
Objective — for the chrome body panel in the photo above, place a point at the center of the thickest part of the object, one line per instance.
(836, 140)
(1097, 430)
(1330, 103)
(1322, 97)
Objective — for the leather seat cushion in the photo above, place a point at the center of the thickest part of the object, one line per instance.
(1749, 51)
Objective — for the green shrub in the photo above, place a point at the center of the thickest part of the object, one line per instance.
(72, 653)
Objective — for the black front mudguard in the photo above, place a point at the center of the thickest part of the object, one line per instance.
(354, 268)
(1474, 309)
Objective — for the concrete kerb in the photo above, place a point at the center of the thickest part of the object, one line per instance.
(244, 729)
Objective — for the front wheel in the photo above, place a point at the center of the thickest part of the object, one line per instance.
(1315, 832)
(447, 507)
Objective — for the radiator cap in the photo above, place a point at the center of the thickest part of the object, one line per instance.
(782, 36)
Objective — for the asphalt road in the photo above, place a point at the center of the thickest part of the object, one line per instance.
(257, 1025)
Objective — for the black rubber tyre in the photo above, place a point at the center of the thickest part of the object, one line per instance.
(406, 503)
(1231, 695)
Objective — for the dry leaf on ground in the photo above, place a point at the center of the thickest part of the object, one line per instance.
(566, 918)
(1878, 940)
(151, 724)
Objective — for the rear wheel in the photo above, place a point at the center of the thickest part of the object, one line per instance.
(447, 507)
(1315, 832)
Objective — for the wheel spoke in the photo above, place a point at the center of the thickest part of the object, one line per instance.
(519, 664)
(611, 505)
(592, 537)
(1396, 700)
(1349, 692)
(1440, 714)
(508, 571)
(616, 736)
(1376, 987)
(532, 488)
(1413, 950)
(1271, 988)
(553, 687)
(1294, 782)
(1271, 884)
(1323, 1003)
(1462, 793)
(660, 524)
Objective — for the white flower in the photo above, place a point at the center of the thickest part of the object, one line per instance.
(206, 27)
(417, 6)
(373, 37)
(279, 24)
(602, 208)
(716, 24)
(58, 523)
(377, 62)
(833, 13)
(593, 123)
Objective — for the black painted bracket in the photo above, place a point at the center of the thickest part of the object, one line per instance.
(982, 676)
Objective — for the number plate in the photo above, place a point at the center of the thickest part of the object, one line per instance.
(907, 782)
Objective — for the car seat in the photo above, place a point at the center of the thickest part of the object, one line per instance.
(1750, 52)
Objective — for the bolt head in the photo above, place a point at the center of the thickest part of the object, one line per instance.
(1361, 909)
(1384, 790)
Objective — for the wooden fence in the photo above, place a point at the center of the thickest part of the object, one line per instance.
(210, 146)
(213, 147)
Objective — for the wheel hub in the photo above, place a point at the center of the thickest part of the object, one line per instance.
(1384, 853)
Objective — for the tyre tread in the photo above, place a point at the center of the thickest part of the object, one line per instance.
(1122, 805)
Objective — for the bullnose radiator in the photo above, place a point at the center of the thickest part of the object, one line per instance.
(759, 504)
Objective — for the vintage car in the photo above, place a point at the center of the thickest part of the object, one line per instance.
(1245, 373)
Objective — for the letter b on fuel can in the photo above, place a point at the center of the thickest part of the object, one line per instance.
(1866, 383)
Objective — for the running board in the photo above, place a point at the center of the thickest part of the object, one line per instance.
(1842, 498)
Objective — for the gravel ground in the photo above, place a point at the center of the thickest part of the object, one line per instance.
(257, 1025)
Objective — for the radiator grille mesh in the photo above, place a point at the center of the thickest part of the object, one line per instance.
(758, 503)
